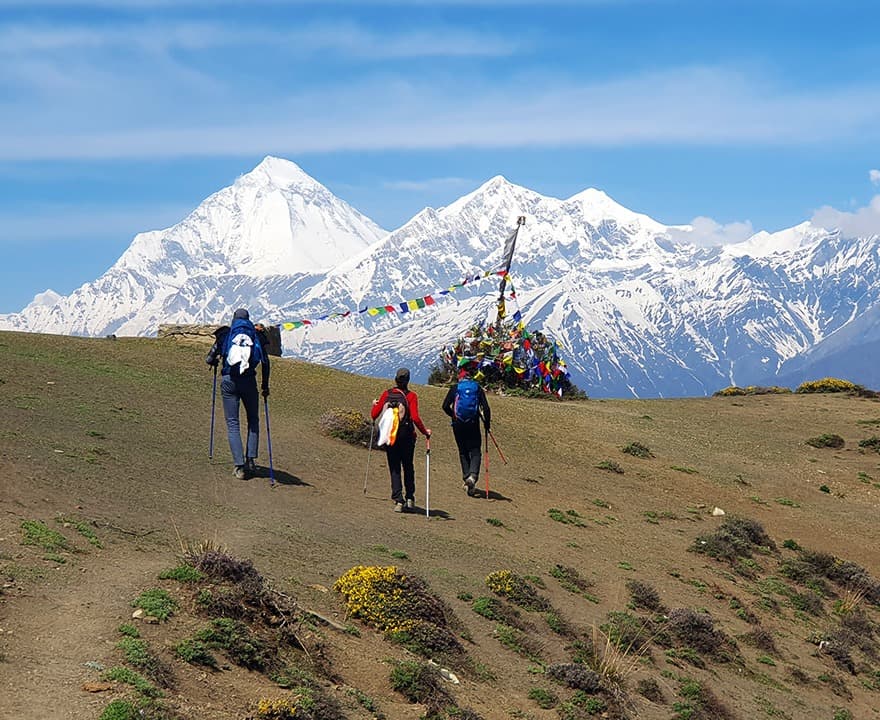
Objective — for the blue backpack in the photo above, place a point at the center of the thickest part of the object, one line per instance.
(467, 400)
(242, 350)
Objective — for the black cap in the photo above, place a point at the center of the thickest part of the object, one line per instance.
(402, 376)
(241, 314)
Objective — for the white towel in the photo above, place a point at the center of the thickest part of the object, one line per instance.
(240, 352)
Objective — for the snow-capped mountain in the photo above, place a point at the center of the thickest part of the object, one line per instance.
(636, 310)
(271, 230)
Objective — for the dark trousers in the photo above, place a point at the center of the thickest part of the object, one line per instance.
(400, 463)
(241, 390)
(468, 439)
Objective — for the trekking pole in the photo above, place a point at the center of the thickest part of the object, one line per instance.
(486, 454)
(428, 477)
(369, 452)
(501, 454)
(213, 405)
(269, 442)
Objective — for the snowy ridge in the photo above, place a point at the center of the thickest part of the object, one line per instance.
(635, 313)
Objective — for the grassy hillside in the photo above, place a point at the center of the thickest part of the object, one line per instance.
(591, 583)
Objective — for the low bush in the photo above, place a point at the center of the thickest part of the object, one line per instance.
(401, 606)
(735, 538)
(636, 449)
(348, 425)
(827, 385)
(829, 440)
(421, 683)
(697, 630)
(644, 596)
(518, 590)
(156, 603)
(733, 390)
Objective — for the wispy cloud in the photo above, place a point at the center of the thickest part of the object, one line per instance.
(874, 176)
(706, 232)
(347, 38)
(864, 221)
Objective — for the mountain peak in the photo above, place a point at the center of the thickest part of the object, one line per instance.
(598, 206)
(281, 172)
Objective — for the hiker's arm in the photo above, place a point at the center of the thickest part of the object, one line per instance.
(213, 356)
(413, 401)
(449, 401)
(264, 366)
(378, 405)
(485, 410)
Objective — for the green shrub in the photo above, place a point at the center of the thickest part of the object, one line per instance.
(184, 573)
(156, 602)
(544, 698)
(135, 679)
(516, 589)
(195, 652)
(235, 638)
(638, 450)
(38, 533)
(121, 710)
(829, 440)
(610, 466)
(421, 683)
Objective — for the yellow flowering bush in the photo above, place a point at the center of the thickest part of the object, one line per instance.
(827, 385)
(402, 607)
(734, 390)
(275, 709)
(516, 589)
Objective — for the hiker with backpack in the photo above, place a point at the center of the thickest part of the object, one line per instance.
(241, 347)
(466, 403)
(399, 410)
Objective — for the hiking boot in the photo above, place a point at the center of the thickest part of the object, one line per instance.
(398, 507)
(410, 504)
(250, 467)
(470, 483)
(238, 473)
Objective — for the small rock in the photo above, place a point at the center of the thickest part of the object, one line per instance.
(718, 512)
(319, 588)
(137, 614)
(449, 675)
(96, 687)
(92, 665)
(151, 619)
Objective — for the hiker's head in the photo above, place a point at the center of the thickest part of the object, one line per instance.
(401, 378)
(241, 314)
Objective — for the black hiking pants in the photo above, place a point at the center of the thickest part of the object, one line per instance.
(469, 442)
(400, 465)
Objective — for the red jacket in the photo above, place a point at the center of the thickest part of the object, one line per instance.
(412, 401)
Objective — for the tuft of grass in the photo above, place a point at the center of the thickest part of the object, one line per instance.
(544, 698)
(420, 683)
(135, 679)
(494, 522)
(195, 652)
(156, 602)
(121, 710)
(518, 640)
(788, 502)
(636, 449)
(128, 630)
(570, 579)
(184, 573)
(684, 469)
(399, 555)
(610, 466)
(83, 528)
(569, 517)
(40, 534)
(826, 440)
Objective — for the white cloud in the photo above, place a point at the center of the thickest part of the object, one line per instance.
(874, 175)
(862, 222)
(706, 232)
(430, 184)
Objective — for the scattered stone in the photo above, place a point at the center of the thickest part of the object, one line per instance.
(318, 587)
(92, 665)
(96, 687)
(151, 619)
(718, 512)
(137, 614)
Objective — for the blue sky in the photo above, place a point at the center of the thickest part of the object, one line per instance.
(121, 116)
